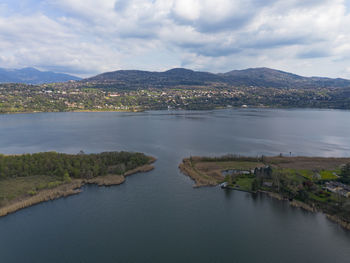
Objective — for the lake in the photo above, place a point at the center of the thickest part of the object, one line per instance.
(158, 216)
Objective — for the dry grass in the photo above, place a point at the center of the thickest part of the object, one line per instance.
(209, 173)
(309, 163)
(12, 188)
(107, 180)
(42, 196)
(201, 179)
(141, 169)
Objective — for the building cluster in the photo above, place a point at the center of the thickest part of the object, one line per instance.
(89, 96)
(338, 188)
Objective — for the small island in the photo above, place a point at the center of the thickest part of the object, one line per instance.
(29, 179)
(311, 183)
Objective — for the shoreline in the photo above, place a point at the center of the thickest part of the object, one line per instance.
(186, 168)
(143, 110)
(33, 112)
(313, 209)
(298, 204)
(72, 188)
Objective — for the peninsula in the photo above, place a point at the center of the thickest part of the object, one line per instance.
(29, 179)
(312, 183)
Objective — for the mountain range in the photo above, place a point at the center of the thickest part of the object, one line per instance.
(134, 79)
(258, 77)
(32, 76)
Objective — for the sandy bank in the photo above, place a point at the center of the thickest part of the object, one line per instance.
(42, 196)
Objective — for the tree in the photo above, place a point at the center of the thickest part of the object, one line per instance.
(345, 172)
(66, 177)
(255, 185)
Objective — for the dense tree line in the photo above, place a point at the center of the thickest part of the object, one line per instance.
(63, 165)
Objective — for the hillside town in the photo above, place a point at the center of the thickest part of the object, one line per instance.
(77, 96)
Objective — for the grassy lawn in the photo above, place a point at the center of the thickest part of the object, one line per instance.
(329, 175)
(309, 174)
(20, 186)
(244, 183)
(300, 172)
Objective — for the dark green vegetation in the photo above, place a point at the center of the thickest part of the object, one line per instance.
(345, 172)
(29, 173)
(178, 89)
(320, 183)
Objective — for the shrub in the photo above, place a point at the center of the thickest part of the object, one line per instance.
(32, 192)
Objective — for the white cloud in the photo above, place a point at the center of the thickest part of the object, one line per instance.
(88, 36)
(187, 9)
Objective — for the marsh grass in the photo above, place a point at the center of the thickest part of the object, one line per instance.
(13, 188)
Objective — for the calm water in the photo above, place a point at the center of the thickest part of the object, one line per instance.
(158, 216)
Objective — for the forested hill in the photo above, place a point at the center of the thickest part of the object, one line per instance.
(148, 79)
(265, 77)
(257, 77)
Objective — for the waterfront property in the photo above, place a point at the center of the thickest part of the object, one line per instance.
(311, 181)
(338, 188)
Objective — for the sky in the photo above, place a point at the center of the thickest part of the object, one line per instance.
(87, 37)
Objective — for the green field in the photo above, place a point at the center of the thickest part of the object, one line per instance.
(309, 174)
(329, 175)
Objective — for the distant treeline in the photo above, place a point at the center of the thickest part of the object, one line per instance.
(64, 165)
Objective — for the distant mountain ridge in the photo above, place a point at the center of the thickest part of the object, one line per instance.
(259, 77)
(33, 76)
(266, 77)
(172, 77)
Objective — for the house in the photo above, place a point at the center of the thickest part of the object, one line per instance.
(337, 188)
(264, 172)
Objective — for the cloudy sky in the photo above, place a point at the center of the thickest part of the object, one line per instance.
(86, 37)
